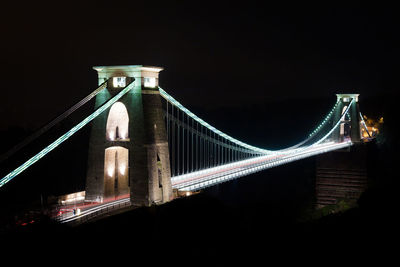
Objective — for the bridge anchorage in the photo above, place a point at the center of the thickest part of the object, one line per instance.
(146, 148)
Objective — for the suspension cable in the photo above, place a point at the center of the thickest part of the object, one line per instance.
(65, 136)
(336, 125)
(252, 151)
(48, 126)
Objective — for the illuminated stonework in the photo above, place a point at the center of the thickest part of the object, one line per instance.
(124, 145)
(350, 123)
(117, 123)
(116, 176)
(342, 124)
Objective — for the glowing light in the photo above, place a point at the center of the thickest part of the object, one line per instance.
(150, 82)
(74, 197)
(205, 178)
(123, 134)
(119, 82)
(327, 118)
(110, 171)
(122, 169)
(117, 119)
(111, 135)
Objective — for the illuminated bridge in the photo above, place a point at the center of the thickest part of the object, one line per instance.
(147, 148)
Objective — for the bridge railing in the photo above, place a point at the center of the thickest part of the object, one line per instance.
(97, 211)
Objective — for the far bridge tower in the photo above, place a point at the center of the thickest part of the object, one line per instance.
(350, 126)
(341, 175)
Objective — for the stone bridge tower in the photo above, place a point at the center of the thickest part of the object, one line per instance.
(128, 148)
(341, 175)
(350, 125)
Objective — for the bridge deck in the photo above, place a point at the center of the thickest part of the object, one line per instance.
(208, 177)
(205, 178)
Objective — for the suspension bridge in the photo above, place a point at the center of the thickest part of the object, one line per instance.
(146, 148)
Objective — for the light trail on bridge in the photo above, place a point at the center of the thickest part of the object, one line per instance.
(199, 154)
(199, 180)
(212, 176)
(91, 210)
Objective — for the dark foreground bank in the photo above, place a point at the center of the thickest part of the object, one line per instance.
(201, 227)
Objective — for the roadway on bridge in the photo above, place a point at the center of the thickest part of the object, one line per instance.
(201, 179)
(204, 178)
(70, 213)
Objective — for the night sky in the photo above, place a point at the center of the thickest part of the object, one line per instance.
(244, 67)
(215, 55)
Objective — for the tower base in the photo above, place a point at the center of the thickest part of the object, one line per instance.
(341, 175)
